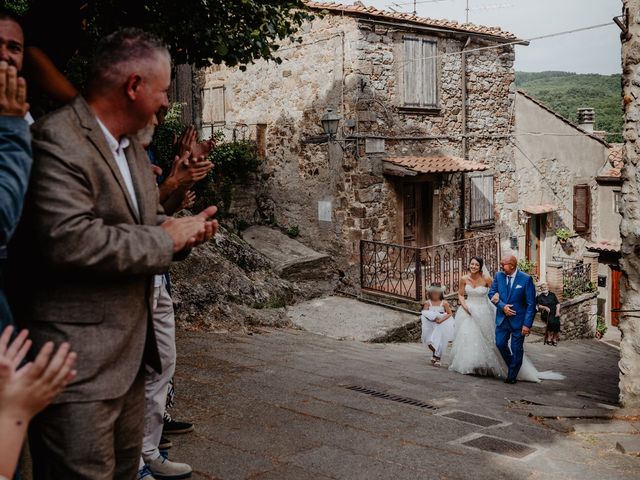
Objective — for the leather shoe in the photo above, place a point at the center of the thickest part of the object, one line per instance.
(510, 381)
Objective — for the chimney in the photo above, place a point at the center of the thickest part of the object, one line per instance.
(586, 119)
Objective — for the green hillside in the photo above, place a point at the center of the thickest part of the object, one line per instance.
(565, 92)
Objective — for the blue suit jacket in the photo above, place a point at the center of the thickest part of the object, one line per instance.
(522, 296)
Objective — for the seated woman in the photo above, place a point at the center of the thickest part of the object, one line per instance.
(437, 323)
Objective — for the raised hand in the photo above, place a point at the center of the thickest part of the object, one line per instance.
(188, 200)
(13, 92)
(187, 140)
(28, 389)
(186, 171)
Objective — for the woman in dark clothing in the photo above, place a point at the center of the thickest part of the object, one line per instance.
(549, 307)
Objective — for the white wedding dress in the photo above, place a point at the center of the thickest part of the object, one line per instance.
(474, 346)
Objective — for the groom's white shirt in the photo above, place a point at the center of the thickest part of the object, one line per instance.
(511, 278)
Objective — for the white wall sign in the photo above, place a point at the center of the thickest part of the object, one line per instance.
(324, 211)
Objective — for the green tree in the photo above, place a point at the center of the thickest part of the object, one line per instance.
(201, 32)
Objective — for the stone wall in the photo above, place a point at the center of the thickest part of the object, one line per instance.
(354, 67)
(630, 227)
(578, 317)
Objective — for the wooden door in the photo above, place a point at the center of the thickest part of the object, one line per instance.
(616, 275)
(534, 227)
(410, 214)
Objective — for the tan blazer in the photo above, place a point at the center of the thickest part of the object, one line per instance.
(82, 261)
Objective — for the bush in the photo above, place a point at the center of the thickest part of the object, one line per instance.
(526, 266)
(293, 231)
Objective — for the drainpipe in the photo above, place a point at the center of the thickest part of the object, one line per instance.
(465, 150)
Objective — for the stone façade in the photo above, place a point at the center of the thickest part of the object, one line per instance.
(354, 66)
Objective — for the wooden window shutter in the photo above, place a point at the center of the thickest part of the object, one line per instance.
(481, 205)
(213, 106)
(420, 73)
(412, 72)
(581, 208)
(429, 74)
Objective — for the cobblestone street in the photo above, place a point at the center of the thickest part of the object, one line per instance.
(276, 405)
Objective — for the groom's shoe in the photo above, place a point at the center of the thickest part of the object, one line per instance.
(510, 381)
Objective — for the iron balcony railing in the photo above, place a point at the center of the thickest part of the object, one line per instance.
(576, 280)
(408, 272)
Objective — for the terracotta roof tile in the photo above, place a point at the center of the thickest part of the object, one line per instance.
(436, 164)
(359, 9)
(616, 156)
(604, 246)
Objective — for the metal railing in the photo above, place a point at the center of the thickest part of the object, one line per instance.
(407, 272)
(576, 280)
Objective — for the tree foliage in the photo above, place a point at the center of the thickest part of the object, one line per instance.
(565, 92)
(201, 32)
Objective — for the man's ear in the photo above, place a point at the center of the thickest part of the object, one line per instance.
(134, 83)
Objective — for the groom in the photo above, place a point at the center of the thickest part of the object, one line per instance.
(516, 308)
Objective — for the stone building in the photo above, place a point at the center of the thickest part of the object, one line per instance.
(630, 227)
(409, 164)
(568, 177)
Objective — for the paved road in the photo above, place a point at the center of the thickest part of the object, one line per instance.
(276, 405)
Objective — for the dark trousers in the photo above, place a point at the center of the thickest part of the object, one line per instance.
(512, 356)
(97, 440)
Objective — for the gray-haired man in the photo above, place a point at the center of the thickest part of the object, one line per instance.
(92, 237)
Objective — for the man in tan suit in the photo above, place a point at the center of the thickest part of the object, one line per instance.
(92, 237)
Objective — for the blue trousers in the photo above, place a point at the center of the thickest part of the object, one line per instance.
(512, 356)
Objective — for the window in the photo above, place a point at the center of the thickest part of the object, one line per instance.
(617, 202)
(481, 209)
(581, 208)
(213, 107)
(420, 73)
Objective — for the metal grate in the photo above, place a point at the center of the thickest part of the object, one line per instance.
(393, 398)
(473, 419)
(500, 446)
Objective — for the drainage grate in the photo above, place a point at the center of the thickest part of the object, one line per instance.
(387, 396)
(473, 419)
(500, 446)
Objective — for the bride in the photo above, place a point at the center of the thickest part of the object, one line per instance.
(474, 349)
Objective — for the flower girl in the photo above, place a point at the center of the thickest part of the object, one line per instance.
(438, 325)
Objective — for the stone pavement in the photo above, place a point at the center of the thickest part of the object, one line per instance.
(277, 405)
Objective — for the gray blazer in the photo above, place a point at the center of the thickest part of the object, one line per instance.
(82, 262)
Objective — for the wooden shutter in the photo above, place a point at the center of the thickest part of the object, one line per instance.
(412, 72)
(581, 208)
(213, 106)
(481, 206)
(429, 74)
(420, 73)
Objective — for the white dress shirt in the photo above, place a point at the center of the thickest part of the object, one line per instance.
(117, 148)
(511, 278)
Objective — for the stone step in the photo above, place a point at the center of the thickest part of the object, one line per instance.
(350, 319)
(290, 259)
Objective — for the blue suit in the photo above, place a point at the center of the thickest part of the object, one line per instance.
(15, 166)
(522, 297)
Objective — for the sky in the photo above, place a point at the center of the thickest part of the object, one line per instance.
(593, 51)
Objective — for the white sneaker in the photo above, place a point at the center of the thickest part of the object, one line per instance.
(163, 469)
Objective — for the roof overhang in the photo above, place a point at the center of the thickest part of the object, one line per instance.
(604, 246)
(540, 209)
(412, 166)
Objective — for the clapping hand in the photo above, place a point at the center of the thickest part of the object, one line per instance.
(13, 92)
(26, 390)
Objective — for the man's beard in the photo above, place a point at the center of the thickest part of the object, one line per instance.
(145, 136)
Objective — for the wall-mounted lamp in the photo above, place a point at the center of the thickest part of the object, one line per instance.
(523, 217)
(330, 122)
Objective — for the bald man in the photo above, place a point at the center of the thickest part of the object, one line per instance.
(516, 309)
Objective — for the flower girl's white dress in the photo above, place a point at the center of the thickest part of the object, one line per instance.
(436, 334)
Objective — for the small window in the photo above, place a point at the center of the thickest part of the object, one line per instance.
(420, 73)
(581, 208)
(617, 202)
(481, 204)
(213, 106)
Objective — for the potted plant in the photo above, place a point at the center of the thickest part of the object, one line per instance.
(563, 234)
(601, 327)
